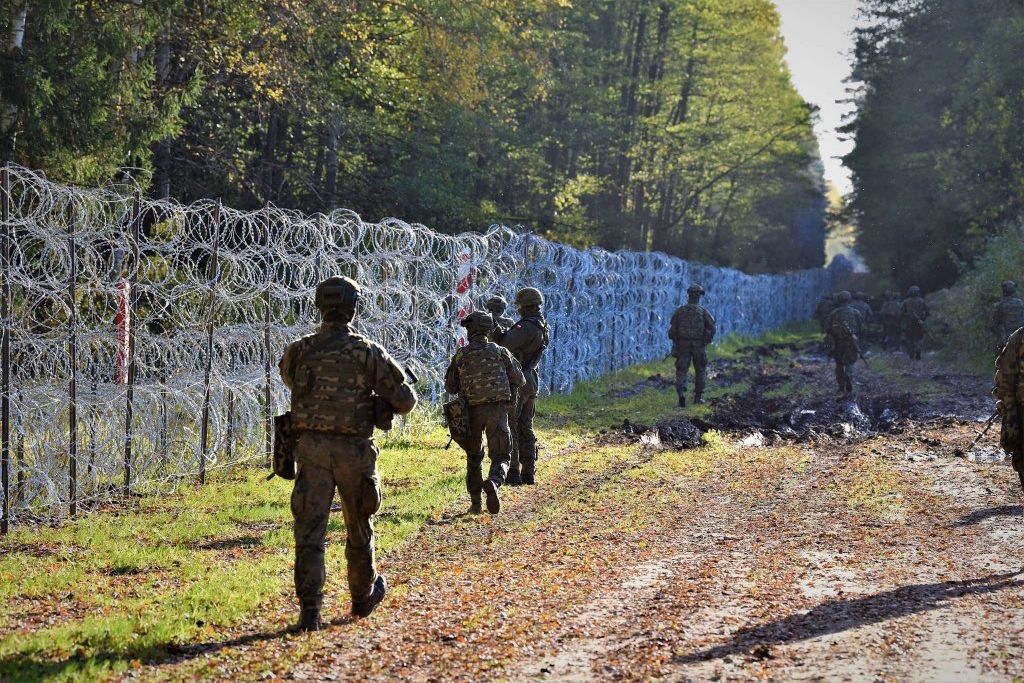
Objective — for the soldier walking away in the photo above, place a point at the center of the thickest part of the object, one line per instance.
(913, 313)
(823, 310)
(844, 325)
(486, 377)
(342, 385)
(860, 302)
(496, 307)
(1007, 315)
(527, 340)
(1009, 394)
(890, 315)
(691, 330)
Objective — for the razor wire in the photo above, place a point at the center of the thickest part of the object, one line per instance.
(206, 298)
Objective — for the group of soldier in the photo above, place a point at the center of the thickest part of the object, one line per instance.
(344, 385)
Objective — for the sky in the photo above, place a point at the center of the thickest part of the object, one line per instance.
(819, 42)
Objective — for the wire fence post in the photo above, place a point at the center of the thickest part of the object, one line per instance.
(268, 417)
(5, 350)
(214, 272)
(132, 309)
(73, 358)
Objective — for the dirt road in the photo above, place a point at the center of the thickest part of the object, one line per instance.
(807, 539)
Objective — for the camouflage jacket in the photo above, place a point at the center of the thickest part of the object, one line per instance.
(915, 308)
(691, 326)
(527, 340)
(1007, 316)
(890, 310)
(1010, 394)
(483, 372)
(864, 308)
(336, 376)
(842, 328)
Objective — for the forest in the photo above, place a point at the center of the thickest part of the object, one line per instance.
(668, 125)
(938, 166)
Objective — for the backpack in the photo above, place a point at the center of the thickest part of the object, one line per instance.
(690, 324)
(456, 416)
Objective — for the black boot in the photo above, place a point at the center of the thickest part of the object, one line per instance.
(493, 502)
(475, 506)
(363, 608)
(309, 620)
(528, 474)
(513, 478)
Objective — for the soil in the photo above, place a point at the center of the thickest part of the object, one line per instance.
(860, 539)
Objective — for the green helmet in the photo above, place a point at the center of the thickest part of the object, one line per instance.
(1009, 287)
(477, 322)
(844, 297)
(914, 291)
(695, 289)
(529, 296)
(337, 292)
(496, 305)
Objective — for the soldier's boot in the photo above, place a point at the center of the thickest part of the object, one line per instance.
(528, 473)
(682, 401)
(513, 478)
(475, 506)
(493, 502)
(309, 620)
(363, 608)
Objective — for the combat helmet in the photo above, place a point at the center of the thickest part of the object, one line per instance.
(337, 293)
(1009, 288)
(914, 291)
(478, 322)
(695, 288)
(844, 297)
(529, 297)
(496, 305)
(860, 296)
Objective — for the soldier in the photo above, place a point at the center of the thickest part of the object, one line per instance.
(823, 309)
(1007, 315)
(486, 376)
(496, 307)
(844, 324)
(341, 384)
(913, 313)
(691, 330)
(860, 302)
(890, 315)
(1008, 393)
(527, 340)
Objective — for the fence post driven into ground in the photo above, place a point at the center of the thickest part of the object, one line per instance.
(73, 359)
(131, 305)
(268, 416)
(5, 349)
(214, 273)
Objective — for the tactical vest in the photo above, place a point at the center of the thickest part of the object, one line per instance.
(916, 308)
(331, 392)
(531, 360)
(482, 374)
(690, 324)
(1011, 314)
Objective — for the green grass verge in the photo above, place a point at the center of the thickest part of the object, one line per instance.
(100, 594)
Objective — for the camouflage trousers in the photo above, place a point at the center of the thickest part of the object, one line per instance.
(524, 440)
(845, 359)
(326, 462)
(490, 419)
(698, 356)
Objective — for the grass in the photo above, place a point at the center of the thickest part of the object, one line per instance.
(102, 593)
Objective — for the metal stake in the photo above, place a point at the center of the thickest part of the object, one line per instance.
(204, 432)
(5, 350)
(73, 382)
(133, 281)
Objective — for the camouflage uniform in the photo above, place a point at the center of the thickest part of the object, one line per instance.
(338, 379)
(527, 340)
(1007, 315)
(913, 313)
(486, 376)
(823, 310)
(860, 302)
(1009, 392)
(844, 324)
(890, 315)
(691, 330)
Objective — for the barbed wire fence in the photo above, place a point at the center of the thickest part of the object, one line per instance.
(140, 337)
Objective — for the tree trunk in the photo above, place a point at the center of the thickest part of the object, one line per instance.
(15, 45)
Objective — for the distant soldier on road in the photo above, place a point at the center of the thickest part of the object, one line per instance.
(341, 384)
(486, 377)
(496, 307)
(1009, 393)
(913, 313)
(890, 315)
(527, 340)
(691, 330)
(844, 326)
(1007, 315)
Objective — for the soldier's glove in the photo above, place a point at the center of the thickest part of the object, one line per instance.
(383, 414)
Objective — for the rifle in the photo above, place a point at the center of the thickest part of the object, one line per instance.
(983, 432)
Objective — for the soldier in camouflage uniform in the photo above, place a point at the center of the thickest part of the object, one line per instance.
(496, 306)
(823, 310)
(486, 376)
(1007, 315)
(890, 315)
(913, 313)
(1009, 393)
(860, 302)
(691, 330)
(527, 340)
(844, 325)
(340, 382)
